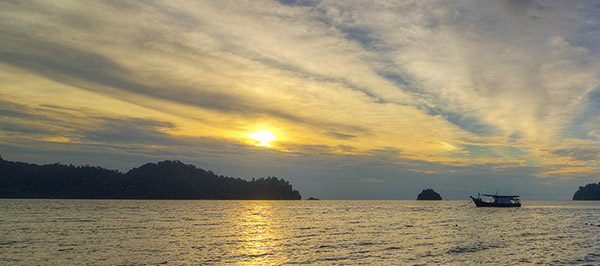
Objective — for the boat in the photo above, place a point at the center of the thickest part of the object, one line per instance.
(497, 201)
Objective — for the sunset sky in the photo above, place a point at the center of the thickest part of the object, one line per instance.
(345, 99)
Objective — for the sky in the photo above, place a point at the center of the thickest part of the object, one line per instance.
(357, 99)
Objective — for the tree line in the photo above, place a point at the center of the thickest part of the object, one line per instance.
(589, 192)
(162, 180)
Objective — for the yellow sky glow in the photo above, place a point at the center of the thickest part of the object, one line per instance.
(407, 91)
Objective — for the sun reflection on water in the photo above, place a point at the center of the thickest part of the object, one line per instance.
(257, 234)
(64, 232)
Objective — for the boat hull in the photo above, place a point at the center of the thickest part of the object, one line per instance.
(481, 203)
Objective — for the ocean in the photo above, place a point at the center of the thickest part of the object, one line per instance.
(206, 232)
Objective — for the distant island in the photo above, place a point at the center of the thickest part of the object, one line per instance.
(589, 192)
(429, 194)
(163, 180)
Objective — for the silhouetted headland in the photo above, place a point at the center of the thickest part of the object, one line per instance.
(589, 192)
(163, 180)
(429, 194)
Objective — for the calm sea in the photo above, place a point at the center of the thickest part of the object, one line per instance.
(155, 232)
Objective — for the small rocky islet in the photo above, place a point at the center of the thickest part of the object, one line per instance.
(429, 194)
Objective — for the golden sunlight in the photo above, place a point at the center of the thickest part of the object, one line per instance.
(263, 137)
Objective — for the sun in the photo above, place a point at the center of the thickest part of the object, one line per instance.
(263, 137)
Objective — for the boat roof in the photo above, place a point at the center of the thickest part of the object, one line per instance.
(499, 196)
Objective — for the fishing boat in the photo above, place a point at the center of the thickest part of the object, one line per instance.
(497, 201)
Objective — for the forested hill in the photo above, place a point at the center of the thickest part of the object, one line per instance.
(589, 192)
(163, 180)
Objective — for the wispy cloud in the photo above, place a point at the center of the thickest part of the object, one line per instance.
(494, 85)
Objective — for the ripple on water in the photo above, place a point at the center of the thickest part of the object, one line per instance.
(56, 232)
(476, 248)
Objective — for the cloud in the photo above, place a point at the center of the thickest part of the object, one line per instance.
(430, 85)
(81, 127)
(279, 77)
(424, 171)
(464, 59)
(569, 173)
(579, 154)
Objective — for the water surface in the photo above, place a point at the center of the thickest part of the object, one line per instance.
(156, 232)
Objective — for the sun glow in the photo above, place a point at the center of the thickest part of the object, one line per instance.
(263, 137)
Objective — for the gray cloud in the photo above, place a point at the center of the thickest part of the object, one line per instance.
(77, 67)
(72, 65)
(342, 135)
(130, 130)
(580, 153)
(83, 127)
(418, 88)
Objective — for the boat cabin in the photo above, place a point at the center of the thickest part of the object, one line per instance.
(504, 199)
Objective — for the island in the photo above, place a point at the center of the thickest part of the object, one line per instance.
(162, 180)
(429, 194)
(589, 192)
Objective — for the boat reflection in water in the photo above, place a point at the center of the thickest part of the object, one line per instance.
(497, 201)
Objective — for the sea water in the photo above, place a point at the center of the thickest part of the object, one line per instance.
(203, 232)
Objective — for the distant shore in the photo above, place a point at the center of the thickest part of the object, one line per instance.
(162, 180)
